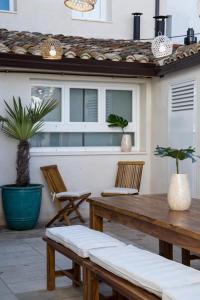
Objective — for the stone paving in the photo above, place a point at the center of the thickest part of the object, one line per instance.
(23, 263)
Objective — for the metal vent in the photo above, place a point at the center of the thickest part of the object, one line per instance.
(182, 96)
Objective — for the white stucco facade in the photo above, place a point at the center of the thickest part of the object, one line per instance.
(95, 170)
(51, 16)
(91, 170)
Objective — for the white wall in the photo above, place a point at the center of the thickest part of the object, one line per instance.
(184, 15)
(93, 171)
(160, 125)
(51, 16)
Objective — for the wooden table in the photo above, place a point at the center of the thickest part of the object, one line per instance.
(150, 214)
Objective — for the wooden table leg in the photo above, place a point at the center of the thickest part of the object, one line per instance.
(166, 249)
(51, 278)
(96, 222)
(186, 257)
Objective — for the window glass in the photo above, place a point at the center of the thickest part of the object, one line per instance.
(41, 93)
(83, 105)
(119, 103)
(76, 139)
(5, 5)
(101, 12)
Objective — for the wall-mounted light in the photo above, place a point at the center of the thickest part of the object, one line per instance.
(80, 5)
(52, 49)
(161, 46)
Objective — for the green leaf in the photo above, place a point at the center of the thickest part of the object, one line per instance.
(117, 121)
(179, 154)
(23, 122)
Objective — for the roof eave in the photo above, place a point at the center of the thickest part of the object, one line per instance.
(30, 63)
(178, 65)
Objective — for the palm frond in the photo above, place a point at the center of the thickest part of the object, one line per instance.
(38, 112)
(23, 122)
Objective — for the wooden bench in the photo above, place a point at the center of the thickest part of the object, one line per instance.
(53, 246)
(122, 268)
(92, 276)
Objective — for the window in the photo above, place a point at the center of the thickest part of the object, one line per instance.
(102, 12)
(8, 5)
(79, 121)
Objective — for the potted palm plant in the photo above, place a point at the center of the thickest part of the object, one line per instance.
(22, 200)
(179, 197)
(117, 121)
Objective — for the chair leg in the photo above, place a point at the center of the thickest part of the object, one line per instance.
(75, 206)
(79, 215)
(61, 213)
(51, 278)
(186, 257)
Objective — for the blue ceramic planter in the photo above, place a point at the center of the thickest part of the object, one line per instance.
(21, 205)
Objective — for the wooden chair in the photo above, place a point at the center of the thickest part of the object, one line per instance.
(60, 195)
(129, 176)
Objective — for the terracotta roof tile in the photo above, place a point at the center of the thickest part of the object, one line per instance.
(25, 42)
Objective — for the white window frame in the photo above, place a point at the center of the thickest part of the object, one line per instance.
(12, 5)
(101, 126)
(105, 14)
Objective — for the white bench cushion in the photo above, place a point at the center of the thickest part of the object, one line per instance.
(189, 292)
(145, 269)
(71, 194)
(81, 239)
(122, 191)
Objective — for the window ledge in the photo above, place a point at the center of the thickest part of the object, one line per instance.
(8, 12)
(84, 153)
(92, 20)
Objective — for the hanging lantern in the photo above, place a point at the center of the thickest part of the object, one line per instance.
(52, 49)
(161, 46)
(80, 5)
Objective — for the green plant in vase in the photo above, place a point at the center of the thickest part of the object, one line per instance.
(22, 123)
(179, 197)
(120, 122)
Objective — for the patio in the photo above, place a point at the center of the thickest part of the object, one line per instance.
(99, 107)
(23, 263)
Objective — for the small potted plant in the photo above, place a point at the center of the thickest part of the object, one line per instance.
(179, 197)
(22, 200)
(117, 121)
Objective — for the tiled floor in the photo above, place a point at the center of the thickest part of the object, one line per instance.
(22, 264)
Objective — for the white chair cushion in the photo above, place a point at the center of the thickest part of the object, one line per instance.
(189, 292)
(145, 269)
(71, 194)
(81, 239)
(122, 191)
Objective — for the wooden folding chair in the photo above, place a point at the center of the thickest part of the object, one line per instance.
(73, 200)
(129, 176)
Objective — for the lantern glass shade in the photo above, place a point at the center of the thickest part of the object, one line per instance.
(52, 49)
(161, 46)
(80, 5)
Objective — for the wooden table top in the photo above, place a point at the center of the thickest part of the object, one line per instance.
(155, 210)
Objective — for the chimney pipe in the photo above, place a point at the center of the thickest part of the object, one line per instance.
(136, 26)
(160, 25)
(190, 38)
(157, 8)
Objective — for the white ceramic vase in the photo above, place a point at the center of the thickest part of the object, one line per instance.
(179, 196)
(126, 144)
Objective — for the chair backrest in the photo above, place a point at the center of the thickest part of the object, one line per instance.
(53, 179)
(129, 174)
